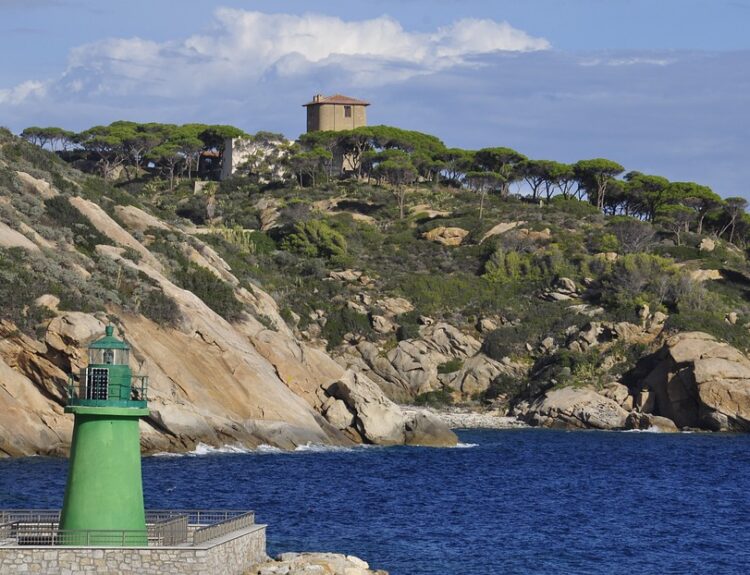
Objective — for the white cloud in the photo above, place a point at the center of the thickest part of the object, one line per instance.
(23, 92)
(245, 46)
(628, 61)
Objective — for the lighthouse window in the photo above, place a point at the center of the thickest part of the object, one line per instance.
(108, 356)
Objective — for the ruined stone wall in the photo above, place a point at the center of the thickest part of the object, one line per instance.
(230, 555)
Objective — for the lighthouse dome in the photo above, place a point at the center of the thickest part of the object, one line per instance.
(109, 350)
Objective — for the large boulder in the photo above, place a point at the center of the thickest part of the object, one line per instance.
(447, 236)
(574, 408)
(701, 382)
(356, 401)
(377, 419)
(314, 564)
(429, 430)
(649, 422)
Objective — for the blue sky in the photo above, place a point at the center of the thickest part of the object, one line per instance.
(662, 86)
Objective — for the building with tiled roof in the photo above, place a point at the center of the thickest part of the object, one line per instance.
(335, 113)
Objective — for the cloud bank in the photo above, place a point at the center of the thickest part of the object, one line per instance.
(473, 83)
(247, 46)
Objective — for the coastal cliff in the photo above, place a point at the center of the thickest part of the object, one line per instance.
(246, 380)
(269, 313)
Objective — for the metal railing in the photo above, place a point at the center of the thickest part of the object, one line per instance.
(164, 528)
(224, 528)
(80, 389)
(195, 516)
(30, 515)
(169, 532)
(50, 534)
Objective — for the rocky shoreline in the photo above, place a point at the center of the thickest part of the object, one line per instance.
(314, 564)
(464, 418)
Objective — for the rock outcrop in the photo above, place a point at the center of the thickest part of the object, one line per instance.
(357, 401)
(249, 382)
(412, 366)
(377, 419)
(573, 408)
(314, 564)
(448, 236)
(700, 382)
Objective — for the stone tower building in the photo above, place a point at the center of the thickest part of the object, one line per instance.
(334, 113)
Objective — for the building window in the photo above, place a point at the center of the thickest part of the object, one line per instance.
(347, 111)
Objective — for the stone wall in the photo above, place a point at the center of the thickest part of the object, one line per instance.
(331, 117)
(233, 554)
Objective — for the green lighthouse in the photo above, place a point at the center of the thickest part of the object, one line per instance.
(103, 502)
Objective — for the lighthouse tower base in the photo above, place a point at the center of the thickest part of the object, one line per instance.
(104, 493)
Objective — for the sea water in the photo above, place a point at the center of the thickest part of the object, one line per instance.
(504, 502)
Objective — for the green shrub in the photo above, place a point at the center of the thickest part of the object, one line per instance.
(711, 322)
(62, 213)
(438, 398)
(408, 326)
(450, 366)
(605, 243)
(540, 319)
(315, 239)
(342, 321)
(577, 208)
(160, 308)
(503, 385)
(214, 292)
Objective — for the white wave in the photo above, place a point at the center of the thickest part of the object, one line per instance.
(265, 448)
(653, 429)
(460, 445)
(205, 449)
(321, 448)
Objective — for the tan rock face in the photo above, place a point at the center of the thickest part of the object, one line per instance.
(705, 275)
(570, 408)
(428, 430)
(378, 419)
(136, 219)
(411, 367)
(499, 229)
(707, 245)
(37, 186)
(10, 238)
(446, 236)
(425, 211)
(701, 382)
(111, 229)
(249, 382)
(32, 391)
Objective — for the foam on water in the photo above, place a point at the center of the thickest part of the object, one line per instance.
(263, 449)
(460, 445)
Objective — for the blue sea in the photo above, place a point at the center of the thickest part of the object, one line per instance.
(504, 502)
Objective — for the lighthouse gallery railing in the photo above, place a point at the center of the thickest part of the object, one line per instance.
(84, 388)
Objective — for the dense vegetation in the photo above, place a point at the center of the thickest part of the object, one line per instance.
(291, 216)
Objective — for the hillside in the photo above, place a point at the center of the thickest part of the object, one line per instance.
(269, 312)
(224, 366)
